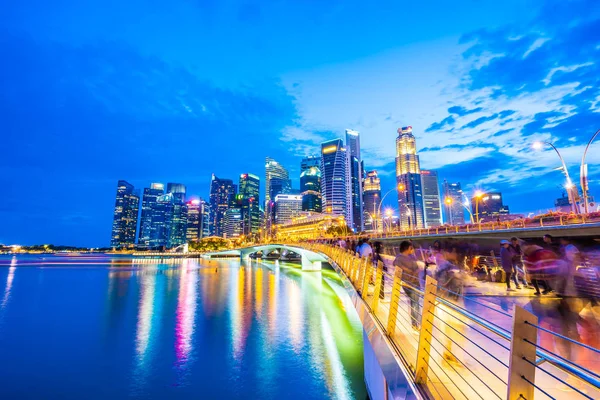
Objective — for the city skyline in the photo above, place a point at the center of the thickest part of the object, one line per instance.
(478, 85)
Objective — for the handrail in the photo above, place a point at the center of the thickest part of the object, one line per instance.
(360, 274)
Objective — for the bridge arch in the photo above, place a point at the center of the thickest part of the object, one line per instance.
(311, 261)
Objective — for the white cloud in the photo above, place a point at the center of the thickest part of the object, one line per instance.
(569, 68)
(535, 45)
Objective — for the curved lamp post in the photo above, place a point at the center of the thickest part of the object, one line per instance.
(583, 174)
(381, 203)
(570, 186)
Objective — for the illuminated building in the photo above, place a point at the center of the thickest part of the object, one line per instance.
(310, 184)
(151, 194)
(197, 220)
(274, 170)
(178, 232)
(454, 213)
(431, 198)
(277, 180)
(249, 192)
(222, 193)
(169, 222)
(335, 179)
(287, 206)
(372, 202)
(178, 190)
(233, 224)
(489, 206)
(408, 179)
(309, 225)
(356, 175)
(125, 216)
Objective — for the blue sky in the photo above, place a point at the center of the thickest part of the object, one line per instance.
(146, 91)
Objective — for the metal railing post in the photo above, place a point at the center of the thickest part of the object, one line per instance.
(422, 367)
(377, 291)
(521, 372)
(394, 302)
(361, 274)
(367, 278)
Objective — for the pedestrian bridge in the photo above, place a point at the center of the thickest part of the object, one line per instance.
(311, 261)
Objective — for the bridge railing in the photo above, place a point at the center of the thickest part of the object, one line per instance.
(453, 353)
(547, 221)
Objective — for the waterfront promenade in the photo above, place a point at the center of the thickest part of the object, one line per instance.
(471, 346)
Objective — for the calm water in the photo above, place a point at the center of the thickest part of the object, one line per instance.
(96, 328)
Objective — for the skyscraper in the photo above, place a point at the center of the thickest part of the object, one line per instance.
(125, 216)
(408, 179)
(287, 206)
(310, 184)
(356, 175)
(431, 198)
(335, 179)
(222, 193)
(249, 191)
(277, 180)
(454, 213)
(488, 207)
(233, 224)
(309, 162)
(372, 201)
(197, 219)
(151, 194)
(178, 190)
(168, 222)
(273, 170)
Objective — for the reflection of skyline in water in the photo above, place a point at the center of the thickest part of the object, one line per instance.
(250, 324)
(186, 312)
(9, 282)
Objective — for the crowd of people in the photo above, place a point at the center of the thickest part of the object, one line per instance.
(548, 268)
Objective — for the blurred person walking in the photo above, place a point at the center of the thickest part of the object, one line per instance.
(410, 280)
(506, 260)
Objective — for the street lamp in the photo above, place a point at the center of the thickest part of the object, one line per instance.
(448, 201)
(583, 174)
(400, 187)
(389, 213)
(569, 186)
(478, 195)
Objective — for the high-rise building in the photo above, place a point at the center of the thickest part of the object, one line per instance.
(249, 191)
(277, 180)
(310, 184)
(372, 202)
(488, 207)
(125, 216)
(178, 190)
(197, 220)
(178, 232)
(335, 180)
(356, 175)
(408, 179)
(222, 193)
(273, 170)
(233, 224)
(454, 213)
(287, 206)
(161, 217)
(431, 198)
(151, 194)
(309, 162)
(279, 186)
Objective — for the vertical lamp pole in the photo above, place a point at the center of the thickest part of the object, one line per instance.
(583, 174)
(570, 186)
(478, 196)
